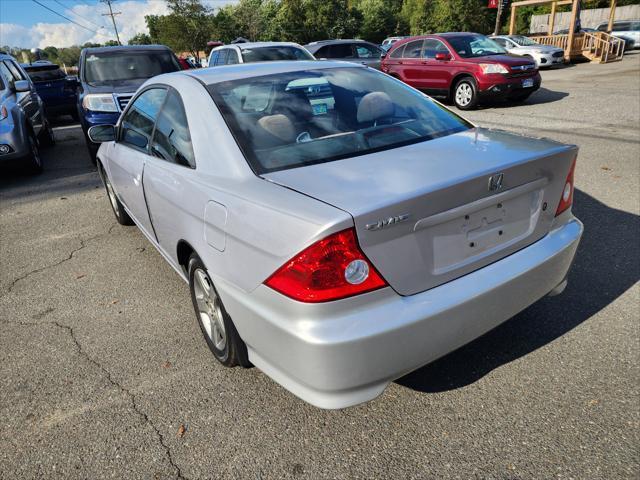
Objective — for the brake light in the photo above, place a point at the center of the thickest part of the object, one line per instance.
(330, 269)
(567, 191)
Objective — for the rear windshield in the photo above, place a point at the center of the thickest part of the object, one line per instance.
(45, 74)
(469, 46)
(289, 120)
(114, 66)
(268, 54)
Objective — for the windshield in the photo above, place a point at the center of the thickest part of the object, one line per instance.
(523, 41)
(114, 66)
(289, 120)
(268, 54)
(469, 46)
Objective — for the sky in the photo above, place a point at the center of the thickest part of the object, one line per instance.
(24, 23)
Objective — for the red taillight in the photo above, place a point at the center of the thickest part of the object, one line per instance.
(330, 269)
(566, 199)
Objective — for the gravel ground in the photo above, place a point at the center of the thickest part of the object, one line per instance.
(104, 374)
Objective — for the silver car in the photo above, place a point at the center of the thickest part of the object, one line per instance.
(340, 236)
(543, 55)
(24, 127)
(357, 51)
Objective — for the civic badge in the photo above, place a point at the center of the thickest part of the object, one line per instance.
(495, 182)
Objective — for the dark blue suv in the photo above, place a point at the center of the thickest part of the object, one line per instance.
(108, 78)
(56, 89)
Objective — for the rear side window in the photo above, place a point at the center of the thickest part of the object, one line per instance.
(6, 74)
(268, 54)
(214, 58)
(413, 49)
(46, 74)
(341, 50)
(172, 140)
(222, 57)
(137, 123)
(397, 53)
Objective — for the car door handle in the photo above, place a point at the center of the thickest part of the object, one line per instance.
(400, 63)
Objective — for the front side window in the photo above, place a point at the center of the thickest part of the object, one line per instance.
(6, 75)
(365, 51)
(171, 140)
(432, 47)
(470, 46)
(340, 50)
(413, 49)
(290, 120)
(269, 54)
(621, 27)
(115, 66)
(15, 71)
(137, 124)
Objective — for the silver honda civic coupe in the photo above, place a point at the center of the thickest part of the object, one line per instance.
(337, 228)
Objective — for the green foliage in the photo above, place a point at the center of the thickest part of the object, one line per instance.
(140, 39)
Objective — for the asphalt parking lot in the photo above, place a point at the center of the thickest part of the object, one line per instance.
(104, 374)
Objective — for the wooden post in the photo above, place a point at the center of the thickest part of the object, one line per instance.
(512, 20)
(552, 18)
(572, 28)
(612, 14)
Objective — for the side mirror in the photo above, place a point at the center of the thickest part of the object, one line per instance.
(102, 133)
(443, 56)
(21, 86)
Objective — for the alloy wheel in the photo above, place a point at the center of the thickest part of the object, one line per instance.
(209, 310)
(464, 94)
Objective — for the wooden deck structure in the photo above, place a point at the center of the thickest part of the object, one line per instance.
(600, 47)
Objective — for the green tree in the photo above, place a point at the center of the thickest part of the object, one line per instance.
(140, 39)
(380, 19)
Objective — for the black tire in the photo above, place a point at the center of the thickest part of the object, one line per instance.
(47, 138)
(465, 94)
(121, 214)
(234, 351)
(74, 114)
(92, 149)
(34, 160)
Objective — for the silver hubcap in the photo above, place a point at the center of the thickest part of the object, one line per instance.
(464, 93)
(112, 195)
(209, 309)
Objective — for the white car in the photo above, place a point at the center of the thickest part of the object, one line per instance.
(543, 55)
(257, 52)
(628, 30)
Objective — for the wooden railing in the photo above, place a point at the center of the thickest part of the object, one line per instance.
(597, 46)
(602, 46)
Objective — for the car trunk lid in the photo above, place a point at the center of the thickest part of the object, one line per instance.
(430, 212)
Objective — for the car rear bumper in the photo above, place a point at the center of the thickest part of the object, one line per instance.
(342, 353)
(507, 87)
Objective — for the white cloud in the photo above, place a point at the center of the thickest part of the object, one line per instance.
(129, 23)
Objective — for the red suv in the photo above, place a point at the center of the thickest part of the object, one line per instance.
(464, 67)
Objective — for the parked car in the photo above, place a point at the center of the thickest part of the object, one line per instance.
(57, 90)
(250, 52)
(463, 67)
(387, 42)
(357, 51)
(24, 127)
(337, 248)
(628, 30)
(109, 76)
(543, 55)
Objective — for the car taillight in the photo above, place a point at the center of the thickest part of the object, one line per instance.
(567, 191)
(330, 269)
(3, 112)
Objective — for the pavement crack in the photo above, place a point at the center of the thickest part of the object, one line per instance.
(132, 398)
(83, 244)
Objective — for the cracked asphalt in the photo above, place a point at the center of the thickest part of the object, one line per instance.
(104, 374)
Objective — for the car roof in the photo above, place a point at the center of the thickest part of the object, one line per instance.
(126, 48)
(259, 44)
(210, 76)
